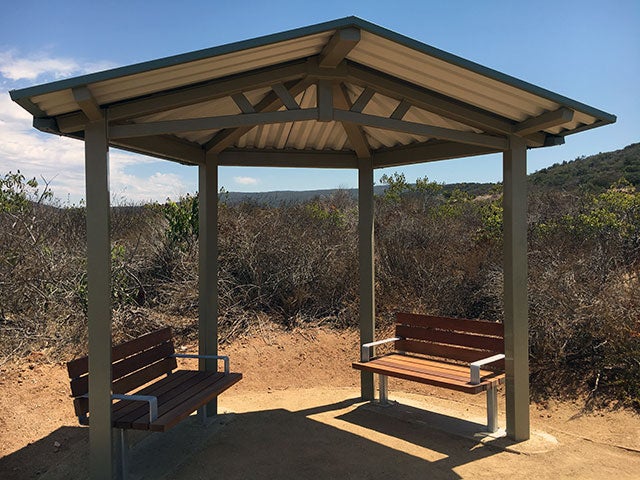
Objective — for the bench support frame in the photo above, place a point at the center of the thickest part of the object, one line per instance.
(492, 408)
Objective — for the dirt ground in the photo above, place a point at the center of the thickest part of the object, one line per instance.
(295, 377)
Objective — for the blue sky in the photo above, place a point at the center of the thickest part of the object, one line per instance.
(586, 50)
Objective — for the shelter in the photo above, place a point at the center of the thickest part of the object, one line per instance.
(340, 94)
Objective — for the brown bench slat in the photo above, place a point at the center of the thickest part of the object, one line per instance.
(420, 378)
(176, 396)
(157, 388)
(428, 378)
(492, 344)
(121, 407)
(168, 388)
(446, 323)
(437, 350)
(410, 360)
(80, 386)
(145, 375)
(141, 359)
(455, 372)
(80, 366)
(191, 404)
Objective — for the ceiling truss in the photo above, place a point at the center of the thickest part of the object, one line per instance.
(131, 123)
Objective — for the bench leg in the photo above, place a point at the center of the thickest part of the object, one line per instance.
(122, 453)
(492, 408)
(383, 382)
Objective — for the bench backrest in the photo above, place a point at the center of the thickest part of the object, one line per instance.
(134, 363)
(456, 339)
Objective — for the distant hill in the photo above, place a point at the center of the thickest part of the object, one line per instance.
(594, 173)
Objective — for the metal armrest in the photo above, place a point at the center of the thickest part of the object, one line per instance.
(224, 358)
(153, 403)
(365, 353)
(475, 367)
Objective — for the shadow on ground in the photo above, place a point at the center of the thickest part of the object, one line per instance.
(346, 440)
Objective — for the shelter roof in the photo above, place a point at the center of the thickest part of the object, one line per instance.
(323, 95)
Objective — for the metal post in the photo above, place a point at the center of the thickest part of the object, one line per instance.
(383, 381)
(366, 266)
(123, 455)
(99, 298)
(208, 269)
(492, 408)
(516, 328)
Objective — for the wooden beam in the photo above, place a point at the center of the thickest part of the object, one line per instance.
(427, 152)
(362, 101)
(325, 100)
(285, 96)
(211, 123)
(243, 103)
(338, 47)
(269, 103)
(355, 134)
(414, 128)
(170, 148)
(544, 121)
(401, 110)
(211, 90)
(87, 103)
(427, 100)
(190, 95)
(287, 158)
(436, 103)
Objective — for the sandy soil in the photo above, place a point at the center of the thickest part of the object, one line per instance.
(289, 372)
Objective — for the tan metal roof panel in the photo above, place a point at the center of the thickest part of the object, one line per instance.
(476, 88)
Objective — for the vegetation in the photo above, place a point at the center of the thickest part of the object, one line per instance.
(595, 173)
(437, 251)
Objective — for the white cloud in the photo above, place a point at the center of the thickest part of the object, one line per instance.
(60, 160)
(246, 180)
(14, 67)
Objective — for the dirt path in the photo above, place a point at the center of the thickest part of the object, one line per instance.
(285, 373)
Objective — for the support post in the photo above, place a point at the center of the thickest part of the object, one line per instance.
(208, 268)
(516, 328)
(366, 266)
(99, 299)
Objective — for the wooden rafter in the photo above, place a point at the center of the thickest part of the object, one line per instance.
(338, 47)
(287, 158)
(546, 120)
(163, 146)
(191, 95)
(499, 143)
(243, 103)
(355, 134)
(211, 123)
(436, 103)
(362, 101)
(285, 96)
(87, 103)
(269, 103)
(426, 152)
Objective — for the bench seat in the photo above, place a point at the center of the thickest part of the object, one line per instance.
(430, 372)
(179, 395)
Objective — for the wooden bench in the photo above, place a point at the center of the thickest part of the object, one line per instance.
(147, 393)
(454, 353)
